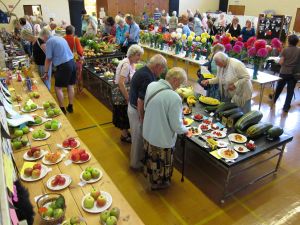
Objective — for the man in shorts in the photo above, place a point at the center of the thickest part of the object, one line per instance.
(58, 52)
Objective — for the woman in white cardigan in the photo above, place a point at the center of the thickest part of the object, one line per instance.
(234, 81)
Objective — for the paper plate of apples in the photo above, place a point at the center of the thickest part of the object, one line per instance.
(79, 156)
(91, 175)
(52, 158)
(40, 135)
(34, 173)
(33, 154)
(59, 182)
(38, 120)
(52, 125)
(96, 201)
(70, 143)
(52, 112)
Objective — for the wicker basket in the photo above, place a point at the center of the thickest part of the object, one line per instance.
(43, 200)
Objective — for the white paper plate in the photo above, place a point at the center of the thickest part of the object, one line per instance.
(222, 144)
(91, 180)
(69, 148)
(97, 209)
(46, 162)
(243, 149)
(59, 126)
(221, 153)
(59, 187)
(232, 137)
(44, 120)
(222, 134)
(80, 162)
(45, 114)
(42, 139)
(193, 117)
(44, 172)
(204, 130)
(32, 110)
(214, 127)
(27, 158)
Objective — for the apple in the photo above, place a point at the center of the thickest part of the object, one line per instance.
(115, 211)
(18, 133)
(33, 106)
(75, 157)
(36, 173)
(65, 144)
(25, 130)
(37, 166)
(54, 126)
(101, 201)
(71, 139)
(112, 220)
(81, 151)
(49, 212)
(37, 154)
(29, 153)
(27, 108)
(34, 149)
(89, 169)
(54, 182)
(28, 172)
(104, 216)
(36, 94)
(50, 113)
(88, 202)
(46, 105)
(73, 144)
(56, 111)
(61, 181)
(95, 173)
(75, 220)
(86, 175)
(17, 144)
(42, 134)
(48, 125)
(35, 135)
(95, 194)
(84, 157)
(38, 120)
(24, 141)
(57, 213)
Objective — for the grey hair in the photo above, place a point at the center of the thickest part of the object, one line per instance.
(221, 57)
(45, 32)
(174, 13)
(157, 60)
(26, 35)
(135, 50)
(120, 21)
(178, 73)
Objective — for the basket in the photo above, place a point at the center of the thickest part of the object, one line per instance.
(47, 198)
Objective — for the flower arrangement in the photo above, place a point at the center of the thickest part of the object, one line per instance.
(188, 45)
(202, 45)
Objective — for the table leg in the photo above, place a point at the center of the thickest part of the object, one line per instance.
(280, 158)
(183, 142)
(262, 88)
(226, 186)
(273, 95)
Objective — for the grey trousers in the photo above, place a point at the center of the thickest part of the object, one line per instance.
(137, 152)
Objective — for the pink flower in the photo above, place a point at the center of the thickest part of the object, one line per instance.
(228, 47)
(217, 37)
(276, 43)
(237, 48)
(240, 38)
(263, 53)
(252, 52)
(251, 41)
(269, 48)
(239, 43)
(260, 44)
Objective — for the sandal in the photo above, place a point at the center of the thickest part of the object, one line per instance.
(126, 139)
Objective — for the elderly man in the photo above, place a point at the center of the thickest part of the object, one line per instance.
(162, 123)
(25, 25)
(234, 81)
(133, 34)
(58, 52)
(139, 83)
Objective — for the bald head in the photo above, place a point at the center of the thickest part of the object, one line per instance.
(157, 64)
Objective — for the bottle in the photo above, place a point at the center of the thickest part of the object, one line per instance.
(29, 83)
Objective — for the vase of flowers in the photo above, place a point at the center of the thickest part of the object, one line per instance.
(255, 71)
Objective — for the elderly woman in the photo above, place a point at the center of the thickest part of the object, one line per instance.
(173, 23)
(234, 27)
(124, 73)
(122, 28)
(234, 81)
(247, 31)
(38, 53)
(163, 22)
(185, 28)
(91, 28)
(163, 105)
(76, 48)
(37, 27)
(211, 28)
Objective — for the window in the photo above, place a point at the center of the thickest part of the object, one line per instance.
(32, 10)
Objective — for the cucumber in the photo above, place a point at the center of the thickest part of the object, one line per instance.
(258, 130)
(225, 106)
(275, 132)
(248, 120)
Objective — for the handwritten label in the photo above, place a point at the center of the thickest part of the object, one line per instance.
(82, 183)
(68, 162)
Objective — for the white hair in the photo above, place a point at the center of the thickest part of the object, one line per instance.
(157, 60)
(174, 13)
(221, 57)
(120, 21)
(178, 73)
(135, 50)
(45, 32)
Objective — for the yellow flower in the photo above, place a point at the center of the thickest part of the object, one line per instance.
(193, 34)
(203, 40)
(228, 35)
(190, 38)
(207, 36)
(184, 37)
(213, 38)
(204, 35)
(198, 38)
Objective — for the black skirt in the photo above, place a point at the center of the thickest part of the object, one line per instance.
(120, 117)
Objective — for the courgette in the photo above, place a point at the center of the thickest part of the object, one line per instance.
(275, 132)
(225, 106)
(229, 112)
(210, 108)
(247, 120)
(257, 130)
(233, 118)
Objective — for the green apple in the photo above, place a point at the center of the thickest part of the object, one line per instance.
(112, 220)
(52, 104)
(104, 216)
(54, 126)
(115, 211)
(18, 133)
(75, 220)
(42, 134)
(27, 108)
(36, 94)
(38, 120)
(24, 141)
(57, 213)
(48, 125)
(50, 113)
(95, 173)
(17, 144)
(49, 212)
(56, 111)
(86, 175)
(89, 202)
(89, 169)
(31, 95)
(35, 135)
(25, 130)
(33, 106)
(46, 105)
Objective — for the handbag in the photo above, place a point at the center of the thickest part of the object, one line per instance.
(75, 54)
(116, 94)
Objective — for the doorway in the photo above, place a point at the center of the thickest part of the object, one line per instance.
(32, 10)
(297, 21)
(236, 9)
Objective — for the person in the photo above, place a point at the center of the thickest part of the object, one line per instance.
(52, 26)
(185, 29)
(211, 28)
(213, 89)
(234, 81)
(110, 21)
(189, 13)
(124, 73)
(122, 29)
(163, 22)
(204, 21)
(198, 14)
(39, 56)
(191, 23)
(222, 21)
(91, 28)
(164, 106)
(145, 18)
(26, 44)
(234, 28)
(133, 34)
(84, 22)
(289, 60)
(247, 31)
(63, 24)
(156, 15)
(76, 48)
(58, 52)
(173, 23)
(198, 27)
(37, 27)
(139, 83)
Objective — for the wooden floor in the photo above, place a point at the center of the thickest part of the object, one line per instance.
(274, 201)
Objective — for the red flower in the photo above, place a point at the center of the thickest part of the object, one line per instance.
(225, 40)
(240, 43)
(251, 41)
(240, 38)
(228, 47)
(260, 44)
(276, 43)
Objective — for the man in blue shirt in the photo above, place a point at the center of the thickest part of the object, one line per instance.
(133, 34)
(58, 52)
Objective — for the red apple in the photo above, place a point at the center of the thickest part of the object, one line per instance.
(71, 139)
(29, 153)
(84, 157)
(54, 182)
(61, 180)
(28, 172)
(36, 173)
(75, 157)
(34, 149)
(37, 154)
(73, 144)
(81, 151)
(101, 201)
(66, 144)
(37, 166)
(95, 194)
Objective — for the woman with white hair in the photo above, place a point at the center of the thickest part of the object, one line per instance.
(234, 81)
(37, 27)
(173, 22)
(121, 30)
(190, 13)
(124, 73)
